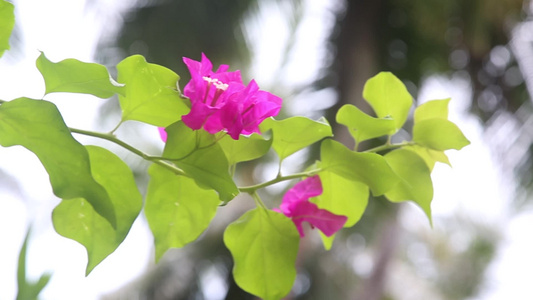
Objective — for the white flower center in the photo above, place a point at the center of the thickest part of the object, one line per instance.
(219, 85)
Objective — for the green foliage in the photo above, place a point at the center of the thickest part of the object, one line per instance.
(389, 97)
(264, 245)
(7, 22)
(439, 134)
(76, 218)
(245, 148)
(28, 290)
(296, 133)
(176, 209)
(369, 168)
(430, 156)
(342, 196)
(432, 109)
(197, 153)
(74, 76)
(100, 199)
(363, 127)
(415, 183)
(151, 93)
(433, 130)
(38, 126)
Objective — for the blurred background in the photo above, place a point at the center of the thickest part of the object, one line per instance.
(316, 55)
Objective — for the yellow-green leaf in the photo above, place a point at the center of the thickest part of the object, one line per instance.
(176, 209)
(295, 133)
(7, 22)
(245, 148)
(264, 245)
(76, 218)
(415, 183)
(430, 156)
(341, 196)
(439, 134)
(362, 126)
(432, 109)
(74, 76)
(38, 126)
(368, 168)
(389, 97)
(151, 93)
(201, 157)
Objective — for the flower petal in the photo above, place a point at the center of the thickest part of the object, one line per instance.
(220, 100)
(265, 105)
(322, 219)
(162, 134)
(303, 190)
(198, 115)
(231, 118)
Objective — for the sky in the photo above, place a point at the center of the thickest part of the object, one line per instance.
(65, 29)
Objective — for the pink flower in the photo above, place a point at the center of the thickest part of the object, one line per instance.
(220, 100)
(163, 134)
(296, 206)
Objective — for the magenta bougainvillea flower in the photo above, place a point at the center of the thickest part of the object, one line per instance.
(221, 101)
(163, 134)
(296, 206)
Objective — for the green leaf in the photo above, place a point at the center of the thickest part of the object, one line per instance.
(176, 209)
(341, 196)
(439, 134)
(76, 219)
(245, 148)
(362, 126)
(7, 22)
(151, 93)
(264, 245)
(28, 290)
(201, 157)
(415, 184)
(430, 156)
(38, 126)
(389, 97)
(296, 133)
(74, 76)
(368, 168)
(434, 109)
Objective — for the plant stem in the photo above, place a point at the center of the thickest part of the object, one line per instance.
(251, 189)
(161, 161)
(258, 201)
(113, 139)
(116, 127)
(389, 147)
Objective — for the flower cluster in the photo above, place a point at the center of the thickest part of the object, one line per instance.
(220, 101)
(296, 206)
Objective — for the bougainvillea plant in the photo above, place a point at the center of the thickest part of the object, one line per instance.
(218, 122)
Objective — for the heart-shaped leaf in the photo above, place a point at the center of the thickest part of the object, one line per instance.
(74, 76)
(38, 126)
(176, 209)
(76, 219)
(415, 184)
(368, 168)
(296, 133)
(389, 97)
(7, 21)
(264, 245)
(151, 93)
